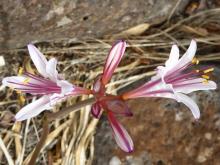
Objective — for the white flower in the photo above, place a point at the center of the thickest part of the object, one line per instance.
(176, 79)
(49, 85)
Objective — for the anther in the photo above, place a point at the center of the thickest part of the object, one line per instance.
(208, 70)
(205, 81)
(20, 71)
(195, 61)
(205, 77)
(27, 80)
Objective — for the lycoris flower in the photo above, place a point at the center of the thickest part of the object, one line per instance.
(176, 79)
(112, 105)
(49, 85)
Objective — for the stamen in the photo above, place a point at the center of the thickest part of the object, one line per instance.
(20, 71)
(195, 61)
(205, 77)
(205, 81)
(208, 70)
(21, 99)
(27, 80)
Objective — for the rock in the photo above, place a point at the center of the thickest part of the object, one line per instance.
(208, 136)
(24, 21)
(2, 61)
(204, 155)
(115, 161)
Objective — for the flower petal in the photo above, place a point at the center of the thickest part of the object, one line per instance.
(119, 107)
(188, 56)
(33, 109)
(38, 59)
(113, 59)
(57, 98)
(183, 61)
(195, 85)
(121, 136)
(173, 58)
(66, 87)
(153, 88)
(98, 86)
(14, 81)
(51, 69)
(96, 110)
(29, 83)
(189, 103)
(190, 53)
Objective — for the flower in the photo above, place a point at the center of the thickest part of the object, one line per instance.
(49, 85)
(112, 105)
(176, 79)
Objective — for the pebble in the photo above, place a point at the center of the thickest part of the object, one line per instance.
(208, 136)
(204, 155)
(2, 61)
(115, 161)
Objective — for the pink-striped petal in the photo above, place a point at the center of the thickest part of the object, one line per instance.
(173, 58)
(57, 98)
(113, 59)
(189, 103)
(31, 84)
(96, 110)
(190, 53)
(186, 58)
(118, 107)
(121, 136)
(14, 81)
(51, 69)
(33, 109)
(195, 85)
(66, 87)
(38, 59)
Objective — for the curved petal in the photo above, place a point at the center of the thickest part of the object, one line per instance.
(113, 59)
(96, 110)
(190, 104)
(38, 59)
(33, 109)
(190, 53)
(57, 98)
(195, 85)
(184, 60)
(51, 69)
(14, 81)
(188, 56)
(121, 136)
(173, 58)
(66, 87)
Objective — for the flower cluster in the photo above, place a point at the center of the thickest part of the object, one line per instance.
(174, 80)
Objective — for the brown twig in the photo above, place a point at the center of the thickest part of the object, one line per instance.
(40, 144)
(66, 111)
